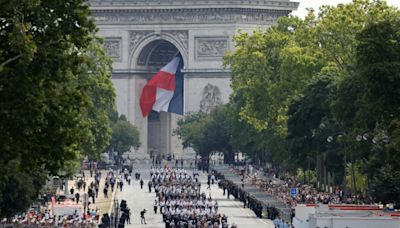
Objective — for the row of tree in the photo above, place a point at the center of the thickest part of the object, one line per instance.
(56, 97)
(320, 93)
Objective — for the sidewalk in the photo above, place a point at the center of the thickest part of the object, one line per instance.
(101, 203)
(242, 217)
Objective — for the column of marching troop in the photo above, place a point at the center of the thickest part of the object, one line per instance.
(181, 202)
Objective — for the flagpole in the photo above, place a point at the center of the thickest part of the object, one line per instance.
(184, 84)
(184, 91)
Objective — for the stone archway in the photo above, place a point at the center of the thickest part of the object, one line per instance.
(144, 42)
(202, 32)
(151, 58)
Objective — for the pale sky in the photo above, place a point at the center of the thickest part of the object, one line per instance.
(301, 11)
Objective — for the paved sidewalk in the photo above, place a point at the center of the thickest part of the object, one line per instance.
(101, 203)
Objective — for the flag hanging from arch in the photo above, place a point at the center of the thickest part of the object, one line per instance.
(164, 91)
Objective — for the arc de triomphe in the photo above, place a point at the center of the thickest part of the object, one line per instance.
(143, 35)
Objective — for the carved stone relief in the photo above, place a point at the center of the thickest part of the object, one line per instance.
(158, 3)
(181, 36)
(135, 37)
(186, 17)
(211, 47)
(113, 48)
(211, 97)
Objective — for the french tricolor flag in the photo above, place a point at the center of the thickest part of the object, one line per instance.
(164, 91)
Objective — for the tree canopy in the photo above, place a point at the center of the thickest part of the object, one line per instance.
(378, 69)
(124, 137)
(55, 93)
(317, 93)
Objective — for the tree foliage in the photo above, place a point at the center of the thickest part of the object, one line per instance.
(124, 136)
(188, 129)
(55, 93)
(378, 64)
(96, 78)
(332, 76)
(308, 118)
(207, 133)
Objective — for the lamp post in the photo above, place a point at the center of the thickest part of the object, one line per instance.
(330, 139)
(320, 161)
(381, 137)
(365, 136)
(359, 138)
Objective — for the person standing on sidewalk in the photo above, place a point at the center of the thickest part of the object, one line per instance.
(77, 196)
(97, 190)
(142, 218)
(91, 194)
(121, 184)
(128, 215)
(141, 183)
(105, 191)
(155, 206)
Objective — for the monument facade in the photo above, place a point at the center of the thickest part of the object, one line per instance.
(143, 35)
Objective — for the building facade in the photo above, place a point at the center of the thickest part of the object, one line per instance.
(143, 35)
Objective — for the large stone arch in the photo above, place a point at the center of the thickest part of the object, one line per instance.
(141, 39)
(202, 31)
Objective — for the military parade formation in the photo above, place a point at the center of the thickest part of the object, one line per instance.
(181, 201)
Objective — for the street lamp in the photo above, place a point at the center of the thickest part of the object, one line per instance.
(330, 139)
(320, 161)
(365, 136)
(382, 137)
(379, 138)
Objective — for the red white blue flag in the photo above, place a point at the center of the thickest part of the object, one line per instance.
(164, 91)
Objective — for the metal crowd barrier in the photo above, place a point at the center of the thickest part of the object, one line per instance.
(260, 195)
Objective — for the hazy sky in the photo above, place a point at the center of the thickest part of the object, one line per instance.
(301, 11)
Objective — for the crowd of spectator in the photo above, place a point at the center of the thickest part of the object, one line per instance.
(305, 194)
(32, 218)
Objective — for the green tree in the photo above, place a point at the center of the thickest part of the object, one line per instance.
(96, 75)
(244, 137)
(310, 123)
(218, 135)
(54, 81)
(192, 130)
(207, 133)
(18, 188)
(378, 64)
(385, 184)
(188, 129)
(271, 67)
(124, 137)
